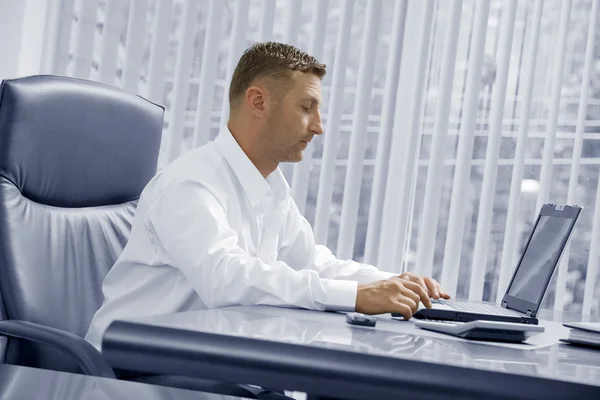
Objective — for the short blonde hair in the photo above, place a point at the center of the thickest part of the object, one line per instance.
(272, 60)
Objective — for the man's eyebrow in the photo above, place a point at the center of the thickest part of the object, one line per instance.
(312, 99)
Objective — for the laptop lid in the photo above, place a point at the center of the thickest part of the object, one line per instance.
(542, 253)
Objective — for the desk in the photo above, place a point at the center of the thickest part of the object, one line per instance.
(18, 382)
(318, 353)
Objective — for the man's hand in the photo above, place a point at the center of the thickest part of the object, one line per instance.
(399, 294)
(391, 295)
(432, 286)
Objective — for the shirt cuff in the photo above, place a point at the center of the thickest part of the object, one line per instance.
(340, 295)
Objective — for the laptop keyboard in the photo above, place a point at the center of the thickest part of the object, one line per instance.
(477, 308)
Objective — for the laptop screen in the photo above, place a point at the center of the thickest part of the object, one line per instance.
(540, 258)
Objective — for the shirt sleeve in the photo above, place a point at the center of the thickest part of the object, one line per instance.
(299, 250)
(189, 227)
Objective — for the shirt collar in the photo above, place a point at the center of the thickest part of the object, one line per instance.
(254, 184)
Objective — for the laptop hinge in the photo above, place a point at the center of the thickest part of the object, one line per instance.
(529, 313)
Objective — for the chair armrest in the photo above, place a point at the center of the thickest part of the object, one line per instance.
(87, 356)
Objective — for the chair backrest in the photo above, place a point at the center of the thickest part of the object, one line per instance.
(74, 158)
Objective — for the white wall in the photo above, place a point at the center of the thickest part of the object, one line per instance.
(34, 23)
(22, 31)
(11, 31)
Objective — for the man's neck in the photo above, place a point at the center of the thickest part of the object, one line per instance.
(261, 161)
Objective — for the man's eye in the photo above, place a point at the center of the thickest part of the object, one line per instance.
(306, 108)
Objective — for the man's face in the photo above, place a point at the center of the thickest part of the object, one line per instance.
(294, 119)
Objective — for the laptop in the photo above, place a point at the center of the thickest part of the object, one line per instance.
(530, 280)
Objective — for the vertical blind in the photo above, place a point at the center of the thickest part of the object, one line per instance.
(447, 124)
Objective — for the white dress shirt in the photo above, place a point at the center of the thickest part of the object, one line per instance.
(210, 231)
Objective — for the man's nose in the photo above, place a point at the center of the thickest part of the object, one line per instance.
(317, 127)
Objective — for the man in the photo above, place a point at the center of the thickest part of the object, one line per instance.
(217, 227)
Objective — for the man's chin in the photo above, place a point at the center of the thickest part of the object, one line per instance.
(299, 157)
(295, 158)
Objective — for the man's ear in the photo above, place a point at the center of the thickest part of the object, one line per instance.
(256, 100)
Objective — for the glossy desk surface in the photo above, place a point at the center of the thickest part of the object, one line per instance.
(18, 382)
(328, 342)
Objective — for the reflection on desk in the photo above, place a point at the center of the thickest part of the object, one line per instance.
(329, 330)
(284, 329)
(18, 382)
(390, 339)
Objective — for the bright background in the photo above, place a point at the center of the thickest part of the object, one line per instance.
(447, 123)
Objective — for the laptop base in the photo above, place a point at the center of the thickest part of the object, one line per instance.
(462, 316)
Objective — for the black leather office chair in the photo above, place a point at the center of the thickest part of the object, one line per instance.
(74, 158)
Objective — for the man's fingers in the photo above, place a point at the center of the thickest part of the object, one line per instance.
(414, 278)
(412, 304)
(407, 292)
(418, 289)
(443, 294)
(433, 287)
(430, 285)
(421, 282)
(440, 290)
(403, 310)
